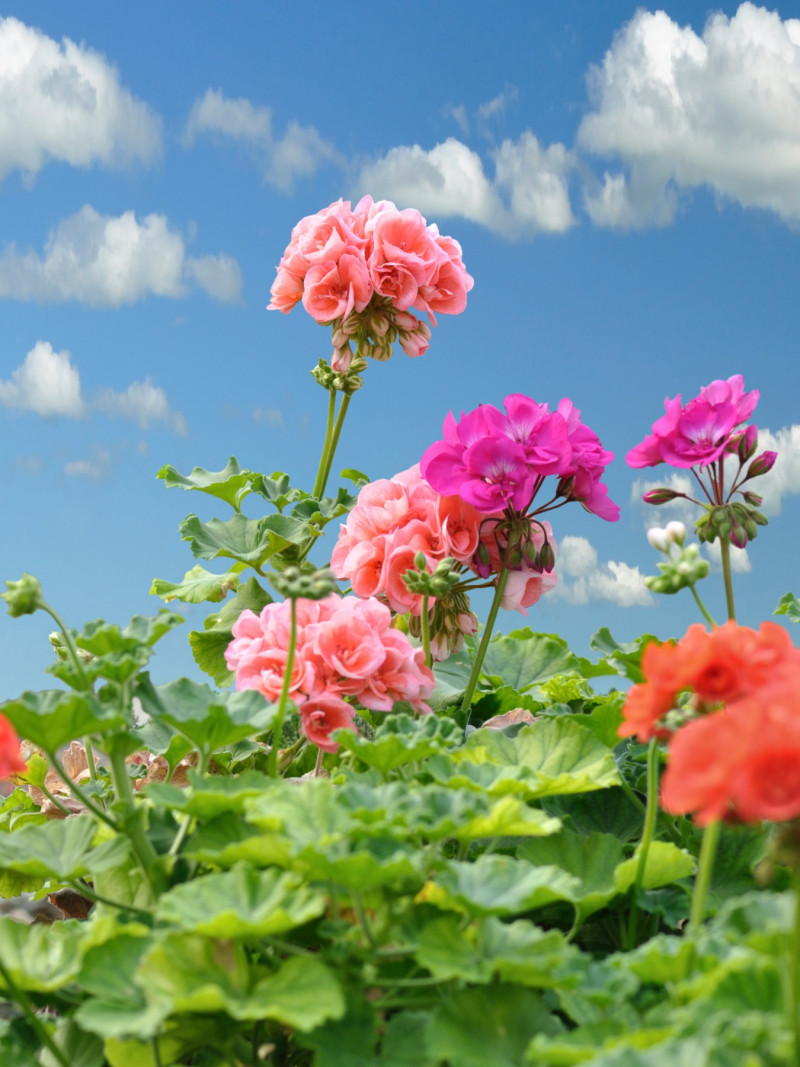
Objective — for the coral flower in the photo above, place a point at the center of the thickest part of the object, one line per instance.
(11, 762)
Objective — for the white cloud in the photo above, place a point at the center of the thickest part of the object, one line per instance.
(28, 465)
(272, 416)
(298, 154)
(784, 478)
(458, 113)
(583, 578)
(46, 383)
(108, 260)
(498, 104)
(64, 102)
(528, 194)
(682, 110)
(96, 468)
(143, 403)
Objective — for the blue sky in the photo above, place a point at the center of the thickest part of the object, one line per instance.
(625, 184)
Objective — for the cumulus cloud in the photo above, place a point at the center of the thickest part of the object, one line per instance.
(458, 113)
(528, 193)
(680, 110)
(498, 104)
(108, 260)
(95, 468)
(143, 403)
(46, 383)
(299, 153)
(583, 578)
(63, 101)
(784, 478)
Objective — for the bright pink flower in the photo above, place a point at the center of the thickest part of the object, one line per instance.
(287, 290)
(699, 432)
(402, 238)
(524, 587)
(323, 714)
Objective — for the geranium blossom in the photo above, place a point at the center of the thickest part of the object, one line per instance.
(716, 667)
(11, 761)
(363, 269)
(345, 647)
(699, 432)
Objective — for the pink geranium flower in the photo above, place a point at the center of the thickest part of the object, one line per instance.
(697, 433)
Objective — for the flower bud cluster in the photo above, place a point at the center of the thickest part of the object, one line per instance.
(293, 584)
(438, 584)
(347, 382)
(737, 522)
(679, 572)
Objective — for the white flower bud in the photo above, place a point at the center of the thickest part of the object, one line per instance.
(658, 539)
(676, 532)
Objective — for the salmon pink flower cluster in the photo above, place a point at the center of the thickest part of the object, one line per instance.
(363, 270)
(345, 647)
(496, 461)
(738, 756)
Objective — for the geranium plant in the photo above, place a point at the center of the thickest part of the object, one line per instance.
(385, 838)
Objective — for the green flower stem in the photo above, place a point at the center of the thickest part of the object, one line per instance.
(793, 976)
(335, 440)
(143, 850)
(502, 578)
(54, 800)
(318, 764)
(21, 997)
(89, 750)
(725, 548)
(272, 759)
(426, 630)
(703, 610)
(319, 484)
(71, 647)
(85, 890)
(648, 830)
(705, 866)
(76, 790)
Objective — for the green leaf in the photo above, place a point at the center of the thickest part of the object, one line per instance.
(523, 658)
(198, 586)
(304, 993)
(231, 484)
(551, 757)
(789, 606)
(60, 849)
(613, 813)
(515, 952)
(401, 739)
(208, 719)
(117, 1006)
(210, 795)
(403, 1042)
(488, 1027)
(116, 653)
(41, 959)
(499, 702)
(78, 1048)
(241, 903)
(276, 489)
(349, 1040)
(251, 541)
(625, 659)
(52, 718)
(357, 477)
(498, 885)
(208, 646)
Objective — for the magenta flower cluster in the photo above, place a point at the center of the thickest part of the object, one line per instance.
(339, 259)
(497, 461)
(699, 432)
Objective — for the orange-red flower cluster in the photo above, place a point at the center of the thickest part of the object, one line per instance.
(10, 760)
(739, 759)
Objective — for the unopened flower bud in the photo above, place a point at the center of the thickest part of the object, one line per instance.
(547, 557)
(513, 556)
(658, 539)
(421, 561)
(660, 496)
(565, 487)
(753, 499)
(762, 464)
(676, 532)
(748, 443)
(23, 597)
(738, 535)
(482, 563)
(721, 520)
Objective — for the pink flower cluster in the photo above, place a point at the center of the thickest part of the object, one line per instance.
(339, 259)
(699, 432)
(345, 647)
(495, 461)
(396, 518)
